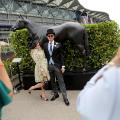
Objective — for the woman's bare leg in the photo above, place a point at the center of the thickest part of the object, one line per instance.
(38, 85)
(43, 94)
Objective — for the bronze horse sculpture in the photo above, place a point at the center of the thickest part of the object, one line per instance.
(72, 31)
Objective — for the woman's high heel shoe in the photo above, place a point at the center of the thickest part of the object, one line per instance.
(29, 91)
(44, 98)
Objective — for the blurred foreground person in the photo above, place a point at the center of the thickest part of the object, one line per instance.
(6, 89)
(100, 98)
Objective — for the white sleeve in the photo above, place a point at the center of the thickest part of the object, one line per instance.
(96, 99)
(92, 81)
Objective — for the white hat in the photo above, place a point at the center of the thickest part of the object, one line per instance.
(2, 43)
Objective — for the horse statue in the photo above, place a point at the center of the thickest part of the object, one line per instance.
(72, 31)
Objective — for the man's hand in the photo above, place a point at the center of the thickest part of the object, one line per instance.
(63, 69)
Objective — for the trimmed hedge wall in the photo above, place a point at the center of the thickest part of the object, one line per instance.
(19, 42)
(104, 39)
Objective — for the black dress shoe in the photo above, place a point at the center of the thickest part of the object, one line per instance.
(54, 97)
(66, 102)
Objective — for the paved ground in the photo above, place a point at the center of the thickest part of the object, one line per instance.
(31, 107)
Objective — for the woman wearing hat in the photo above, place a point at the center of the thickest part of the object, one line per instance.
(6, 88)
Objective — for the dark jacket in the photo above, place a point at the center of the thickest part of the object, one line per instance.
(57, 54)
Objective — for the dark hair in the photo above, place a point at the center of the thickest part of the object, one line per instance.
(33, 44)
(34, 39)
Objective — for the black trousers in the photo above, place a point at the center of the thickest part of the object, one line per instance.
(56, 72)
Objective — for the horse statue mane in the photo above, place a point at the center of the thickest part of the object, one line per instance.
(72, 31)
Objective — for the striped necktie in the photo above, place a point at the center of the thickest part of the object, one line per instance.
(50, 51)
(51, 47)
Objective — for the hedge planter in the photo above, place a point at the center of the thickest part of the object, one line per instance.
(73, 80)
(77, 80)
(28, 80)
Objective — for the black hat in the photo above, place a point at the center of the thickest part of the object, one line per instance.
(50, 31)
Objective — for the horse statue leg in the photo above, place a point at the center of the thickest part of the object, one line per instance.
(86, 48)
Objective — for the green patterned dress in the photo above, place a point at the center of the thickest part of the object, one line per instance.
(4, 97)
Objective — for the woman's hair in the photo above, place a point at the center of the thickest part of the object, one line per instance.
(33, 44)
(34, 40)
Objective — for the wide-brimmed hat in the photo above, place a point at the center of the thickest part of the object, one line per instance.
(3, 43)
(50, 31)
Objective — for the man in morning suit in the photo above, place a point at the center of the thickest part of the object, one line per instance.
(53, 52)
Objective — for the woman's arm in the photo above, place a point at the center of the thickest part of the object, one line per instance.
(4, 76)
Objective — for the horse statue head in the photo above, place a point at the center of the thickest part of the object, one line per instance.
(23, 23)
(20, 24)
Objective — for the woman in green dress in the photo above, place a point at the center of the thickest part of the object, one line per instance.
(6, 89)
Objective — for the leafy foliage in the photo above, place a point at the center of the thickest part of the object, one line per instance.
(19, 42)
(104, 39)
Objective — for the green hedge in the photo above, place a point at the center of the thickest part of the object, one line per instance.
(104, 39)
(19, 42)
